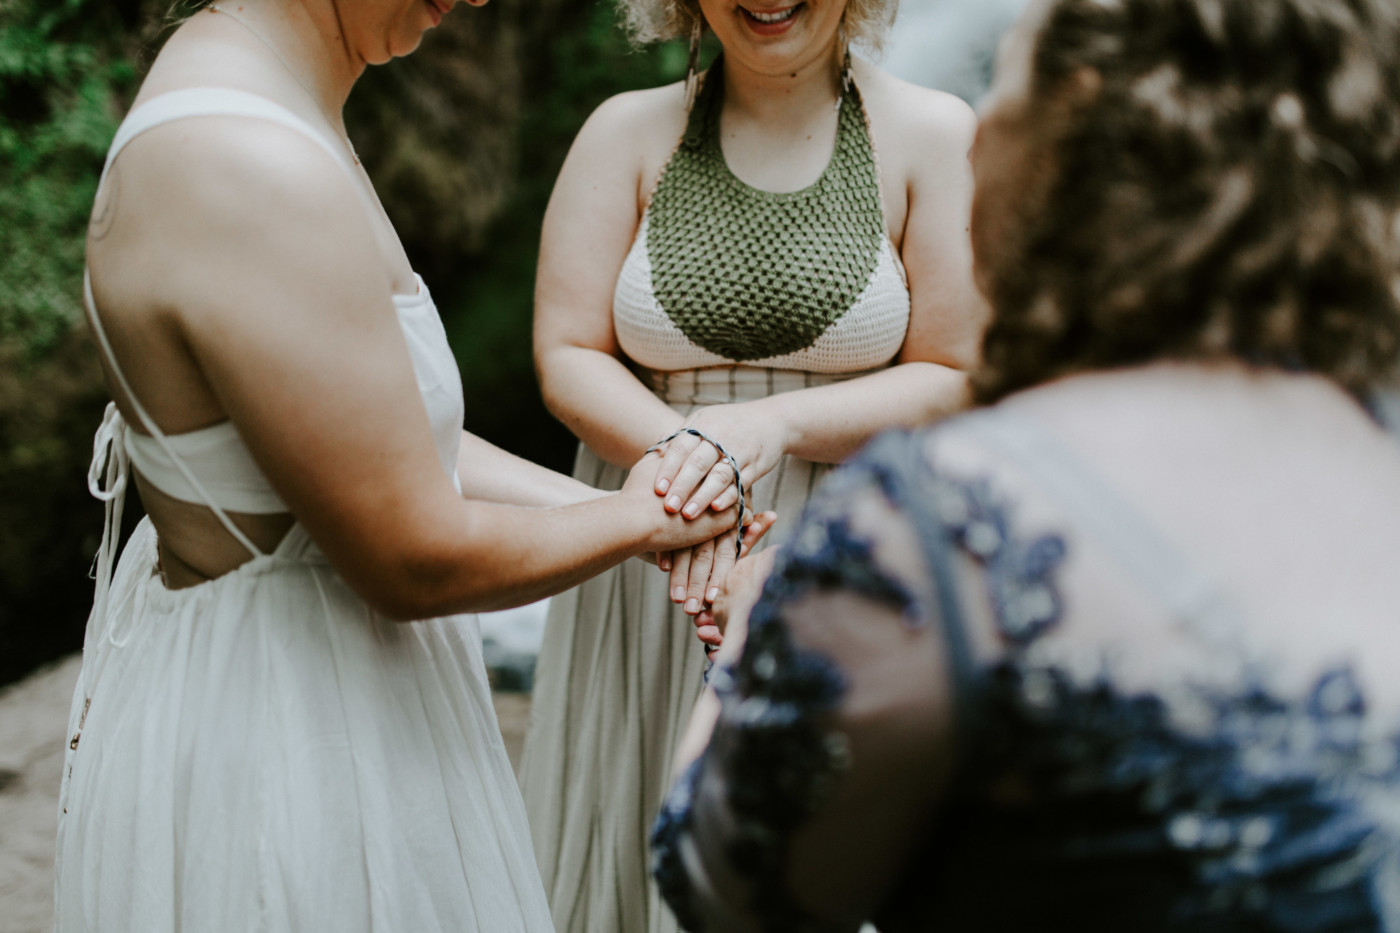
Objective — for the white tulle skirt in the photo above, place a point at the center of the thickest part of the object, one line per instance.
(265, 753)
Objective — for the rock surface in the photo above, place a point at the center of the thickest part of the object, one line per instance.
(33, 718)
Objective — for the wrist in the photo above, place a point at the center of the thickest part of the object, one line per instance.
(582, 492)
(775, 423)
(638, 522)
(663, 428)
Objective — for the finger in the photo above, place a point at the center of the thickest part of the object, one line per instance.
(680, 574)
(663, 560)
(673, 458)
(702, 559)
(707, 630)
(698, 463)
(728, 498)
(720, 478)
(756, 529)
(710, 635)
(724, 562)
(704, 617)
(678, 532)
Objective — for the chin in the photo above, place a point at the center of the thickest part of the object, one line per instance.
(396, 47)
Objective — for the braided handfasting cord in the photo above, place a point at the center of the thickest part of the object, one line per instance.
(725, 458)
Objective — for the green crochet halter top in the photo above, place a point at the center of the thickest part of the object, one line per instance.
(751, 274)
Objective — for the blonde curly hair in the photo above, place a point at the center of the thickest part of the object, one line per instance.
(867, 21)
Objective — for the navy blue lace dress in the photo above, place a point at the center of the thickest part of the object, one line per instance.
(1219, 803)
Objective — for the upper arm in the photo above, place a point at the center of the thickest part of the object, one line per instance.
(258, 246)
(894, 718)
(589, 226)
(947, 314)
(834, 733)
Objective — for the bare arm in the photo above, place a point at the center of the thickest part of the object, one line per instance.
(588, 228)
(491, 474)
(263, 255)
(893, 715)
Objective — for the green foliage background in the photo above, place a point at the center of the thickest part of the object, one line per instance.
(464, 140)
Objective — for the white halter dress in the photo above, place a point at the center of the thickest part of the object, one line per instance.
(264, 752)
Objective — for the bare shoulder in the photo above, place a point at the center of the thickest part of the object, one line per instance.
(199, 193)
(638, 122)
(914, 123)
(634, 132)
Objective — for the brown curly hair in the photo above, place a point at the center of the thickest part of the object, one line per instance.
(1231, 190)
(867, 21)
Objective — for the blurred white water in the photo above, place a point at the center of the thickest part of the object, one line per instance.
(510, 642)
(948, 44)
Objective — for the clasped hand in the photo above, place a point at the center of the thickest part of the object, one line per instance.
(695, 476)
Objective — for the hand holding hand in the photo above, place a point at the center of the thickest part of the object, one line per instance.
(667, 531)
(698, 573)
(727, 624)
(693, 475)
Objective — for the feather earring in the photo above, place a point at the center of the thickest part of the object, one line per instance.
(847, 79)
(692, 78)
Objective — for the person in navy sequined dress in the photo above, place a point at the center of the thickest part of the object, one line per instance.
(1116, 651)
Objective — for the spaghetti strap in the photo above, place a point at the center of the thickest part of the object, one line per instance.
(165, 108)
(152, 428)
(1192, 594)
(211, 102)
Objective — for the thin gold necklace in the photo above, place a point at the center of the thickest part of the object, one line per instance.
(214, 7)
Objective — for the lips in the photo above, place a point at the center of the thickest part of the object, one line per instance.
(438, 9)
(771, 22)
(773, 16)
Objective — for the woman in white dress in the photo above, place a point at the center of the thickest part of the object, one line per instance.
(257, 741)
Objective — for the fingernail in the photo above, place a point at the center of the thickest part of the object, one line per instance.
(692, 510)
(664, 564)
(662, 485)
(713, 594)
(677, 593)
(673, 503)
(692, 605)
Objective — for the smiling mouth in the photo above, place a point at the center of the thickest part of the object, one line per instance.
(772, 17)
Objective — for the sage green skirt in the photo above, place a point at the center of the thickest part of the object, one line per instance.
(617, 676)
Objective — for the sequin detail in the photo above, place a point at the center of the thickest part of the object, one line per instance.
(1226, 805)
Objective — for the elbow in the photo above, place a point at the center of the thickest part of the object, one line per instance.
(554, 395)
(553, 401)
(403, 599)
(412, 586)
(402, 607)
(412, 589)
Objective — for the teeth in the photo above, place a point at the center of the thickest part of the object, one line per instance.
(777, 17)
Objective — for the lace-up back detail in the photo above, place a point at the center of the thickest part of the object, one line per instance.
(212, 466)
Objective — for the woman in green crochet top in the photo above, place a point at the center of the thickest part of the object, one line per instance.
(736, 260)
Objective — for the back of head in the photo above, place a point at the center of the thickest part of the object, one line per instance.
(1224, 183)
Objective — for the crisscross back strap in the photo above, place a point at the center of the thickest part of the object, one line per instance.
(154, 429)
(1192, 595)
(179, 105)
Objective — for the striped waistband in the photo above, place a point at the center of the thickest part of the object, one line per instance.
(722, 385)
